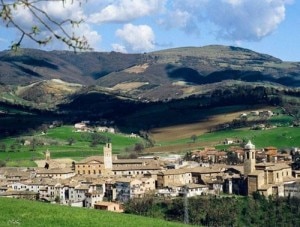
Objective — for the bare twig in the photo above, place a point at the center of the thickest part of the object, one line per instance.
(56, 29)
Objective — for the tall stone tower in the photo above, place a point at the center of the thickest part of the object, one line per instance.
(249, 160)
(47, 155)
(107, 156)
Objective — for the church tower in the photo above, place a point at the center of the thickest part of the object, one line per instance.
(107, 156)
(249, 160)
(47, 155)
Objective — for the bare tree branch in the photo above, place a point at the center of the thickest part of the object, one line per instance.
(45, 22)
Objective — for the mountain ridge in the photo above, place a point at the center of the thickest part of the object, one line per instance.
(156, 76)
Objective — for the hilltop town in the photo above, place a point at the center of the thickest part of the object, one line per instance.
(106, 182)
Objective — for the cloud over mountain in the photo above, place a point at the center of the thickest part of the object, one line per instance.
(137, 37)
(126, 10)
(129, 25)
(249, 20)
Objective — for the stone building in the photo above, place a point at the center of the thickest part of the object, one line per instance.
(174, 176)
(268, 178)
(109, 164)
(96, 165)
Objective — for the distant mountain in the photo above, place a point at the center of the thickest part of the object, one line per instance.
(185, 71)
(29, 65)
(163, 75)
(140, 91)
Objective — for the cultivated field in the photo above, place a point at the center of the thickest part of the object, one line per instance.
(187, 130)
(177, 139)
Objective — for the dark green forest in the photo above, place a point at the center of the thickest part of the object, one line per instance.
(254, 210)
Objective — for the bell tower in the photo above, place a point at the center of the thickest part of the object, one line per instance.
(47, 155)
(249, 160)
(107, 156)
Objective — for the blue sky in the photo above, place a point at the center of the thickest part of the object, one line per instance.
(136, 26)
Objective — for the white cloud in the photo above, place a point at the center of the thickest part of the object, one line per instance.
(137, 37)
(127, 10)
(232, 19)
(119, 48)
(69, 9)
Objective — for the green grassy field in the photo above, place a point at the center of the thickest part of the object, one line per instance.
(56, 141)
(278, 137)
(281, 137)
(17, 212)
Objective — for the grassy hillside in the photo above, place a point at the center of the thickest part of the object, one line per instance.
(15, 212)
(56, 140)
(283, 137)
(176, 138)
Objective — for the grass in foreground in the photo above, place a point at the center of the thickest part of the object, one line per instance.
(17, 212)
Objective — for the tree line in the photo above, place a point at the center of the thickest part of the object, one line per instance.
(255, 210)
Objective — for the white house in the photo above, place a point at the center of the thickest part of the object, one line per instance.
(193, 190)
(80, 126)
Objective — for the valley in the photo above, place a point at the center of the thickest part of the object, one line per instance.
(139, 132)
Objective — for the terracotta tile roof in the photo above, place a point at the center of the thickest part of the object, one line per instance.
(97, 158)
(174, 171)
(148, 167)
(54, 171)
(127, 180)
(211, 169)
(90, 159)
(130, 161)
(236, 167)
(104, 203)
(279, 166)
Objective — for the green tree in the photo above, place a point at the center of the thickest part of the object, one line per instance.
(232, 158)
(188, 156)
(3, 147)
(97, 139)
(12, 148)
(70, 141)
(140, 206)
(2, 163)
(138, 147)
(33, 144)
(194, 138)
